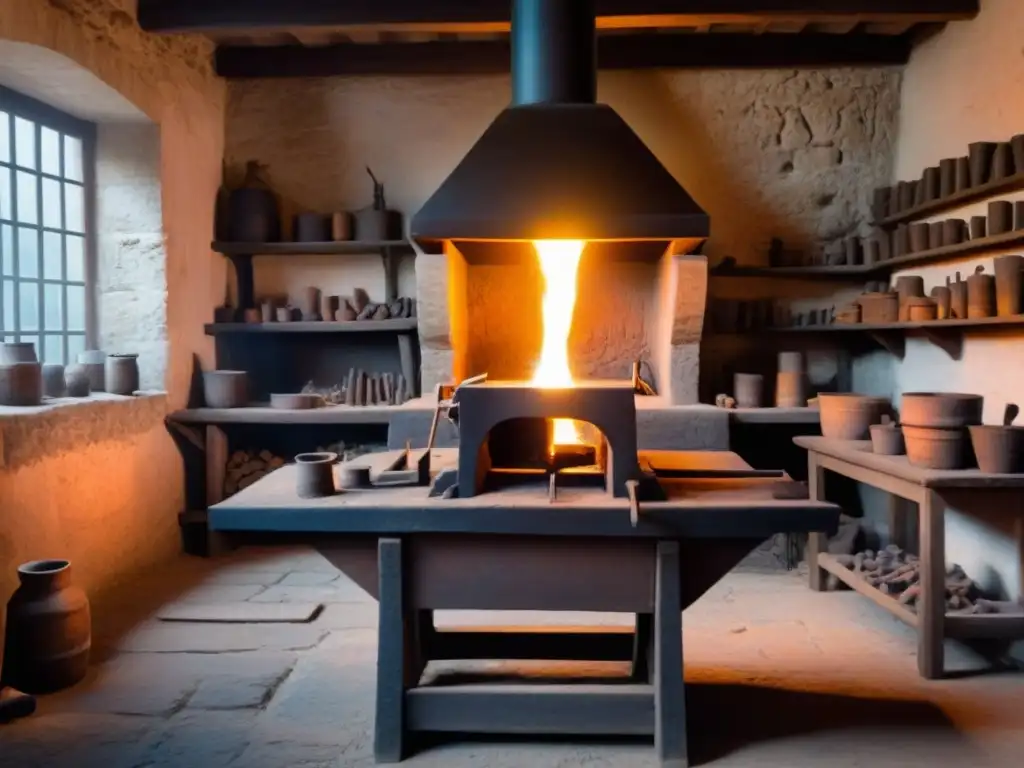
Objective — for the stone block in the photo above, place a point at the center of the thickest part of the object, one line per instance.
(173, 637)
(220, 593)
(130, 263)
(308, 579)
(342, 591)
(194, 739)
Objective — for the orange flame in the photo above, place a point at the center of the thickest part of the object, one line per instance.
(559, 264)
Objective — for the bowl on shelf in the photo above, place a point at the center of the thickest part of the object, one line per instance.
(998, 448)
(887, 440)
(848, 416)
(947, 410)
(300, 401)
(936, 447)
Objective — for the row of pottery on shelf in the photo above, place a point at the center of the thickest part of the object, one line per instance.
(251, 214)
(24, 381)
(318, 306)
(48, 633)
(1003, 216)
(985, 161)
(230, 389)
(790, 386)
(981, 295)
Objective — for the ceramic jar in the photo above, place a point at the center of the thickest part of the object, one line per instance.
(95, 362)
(49, 629)
(21, 384)
(17, 352)
(122, 374)
(76, 381)
(981, 294)
(53, 380)
(315, 475)
(226, 389)
(748, 389)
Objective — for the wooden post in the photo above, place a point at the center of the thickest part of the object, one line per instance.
(669, 691)
(642, 633)
(817, 542)
(931, 605)
(389, 722)
(216, 467)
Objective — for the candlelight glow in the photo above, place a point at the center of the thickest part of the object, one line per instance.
(559, 262)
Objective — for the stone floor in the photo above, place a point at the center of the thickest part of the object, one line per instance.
(782, 678)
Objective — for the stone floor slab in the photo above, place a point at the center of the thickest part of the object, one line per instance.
(174, 637)
(341, 591)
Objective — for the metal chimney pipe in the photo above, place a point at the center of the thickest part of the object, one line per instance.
(554, 52)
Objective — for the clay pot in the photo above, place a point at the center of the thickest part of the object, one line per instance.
(930, 184)
(941, 294)
(21, 384)
(1008, 285)
(978, 227)
(900, 241)
(791, 362)
(301, 401)
(935, 235)
(1018, 214)
(981, 294)
(252, 315)
(253, 216)
(328, 307)
(880, 202)
(979, 155)
(284, 314)
(905, 193)
(847, 416)
(1002, 161)
(887, 440)
(266, 312)
(963, 174)
(1000, 217)
(341, 226)
(947, 410)
(311, 228)
(935, 448)
(852, 250)
(957, 298)
(918, 192)
(53, 380)
(879, 308)
(947, 177)
(953, 231)
(49, 629)
(921, 309)
(748, 389)
(314, 476)
(1017, 149)
(906, 287)
(919, 237)
(311, 304)
(998, 449)
(76, 381)
(122, 374)
(374, 225)
(225, 389)
(872, 251)
(95, 362)
(18, 352)
(790, 389)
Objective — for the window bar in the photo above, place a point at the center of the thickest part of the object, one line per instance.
(40, 307)
(16, 293)
(10, 187)
(65, 325)
(88, 140)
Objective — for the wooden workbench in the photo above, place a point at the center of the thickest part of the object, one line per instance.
(513, 549)
(933, 491)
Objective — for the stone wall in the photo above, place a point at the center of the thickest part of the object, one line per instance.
(106, 495)
(767, 153)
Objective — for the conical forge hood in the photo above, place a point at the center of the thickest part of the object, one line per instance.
(556, 165)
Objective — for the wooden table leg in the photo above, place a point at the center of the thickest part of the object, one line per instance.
(216, 466)
(817, 542)
(643, 631)
(392, 640)
(669, 689)
(931, 605)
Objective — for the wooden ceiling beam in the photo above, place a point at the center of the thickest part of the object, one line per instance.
(639, 51)
(493, 15)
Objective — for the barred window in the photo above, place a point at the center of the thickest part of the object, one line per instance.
(47, 208)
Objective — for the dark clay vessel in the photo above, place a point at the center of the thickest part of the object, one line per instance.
(122, 374)
(1000, 217)
(49, 629)
(315, 475)
(253, 216)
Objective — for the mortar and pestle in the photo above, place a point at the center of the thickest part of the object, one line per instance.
(999, 448)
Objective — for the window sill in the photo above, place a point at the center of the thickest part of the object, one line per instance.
(28, 435)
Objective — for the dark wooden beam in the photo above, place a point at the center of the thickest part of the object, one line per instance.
(640, 51)
(456, 15)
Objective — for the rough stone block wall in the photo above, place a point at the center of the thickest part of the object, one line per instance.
(767, 153)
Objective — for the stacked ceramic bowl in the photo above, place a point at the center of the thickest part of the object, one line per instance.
(935, 427)
(21, 375)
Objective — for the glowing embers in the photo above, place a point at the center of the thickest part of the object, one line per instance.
(522, 450)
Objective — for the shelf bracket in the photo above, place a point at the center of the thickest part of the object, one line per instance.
(244, 280)
(894, 343)
(950, 341)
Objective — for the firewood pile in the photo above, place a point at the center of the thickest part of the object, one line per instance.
(897, 573)
(246, 467)
(362, 388)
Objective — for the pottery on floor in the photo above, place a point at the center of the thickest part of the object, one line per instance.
(1008, 285)
(49, 629)
(122, 374)
(748, 389)
(314, 477)
(948, 410)
(981, 294)
(878, 308)
(936, 447)
(301, 401)
(848, 416)
(95, 362)
(999, 449)
(53, 380)
(21, 384)
(887, 440)
(226, 389)
(17, 352)
(76, 381)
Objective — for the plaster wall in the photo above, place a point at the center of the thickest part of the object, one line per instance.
(106, 495)
(788, 153)
(962, 86)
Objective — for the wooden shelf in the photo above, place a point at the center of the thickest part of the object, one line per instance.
(957, 625)
(264, 414)
(929, 325)
(299, 249)
(396, 325)
(957, 200)
(863, 271)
